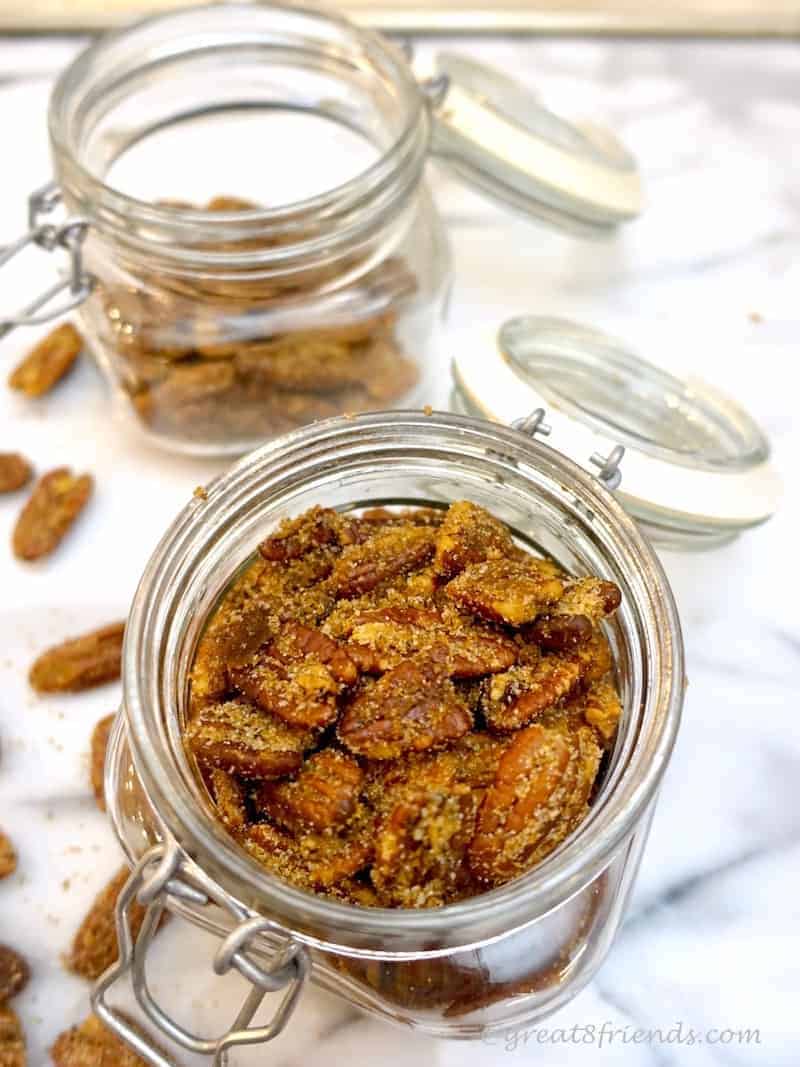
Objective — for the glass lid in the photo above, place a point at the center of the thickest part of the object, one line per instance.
(496, 135)
(688, 462)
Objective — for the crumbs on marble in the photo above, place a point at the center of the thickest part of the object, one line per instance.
(756, 317)
(65, 885)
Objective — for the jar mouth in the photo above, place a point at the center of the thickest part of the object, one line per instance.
(97, 103)
(411, 457)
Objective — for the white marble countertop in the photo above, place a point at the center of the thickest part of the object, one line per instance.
(712, 937)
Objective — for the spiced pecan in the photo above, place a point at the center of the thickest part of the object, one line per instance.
(57, 500)
(298, 677)
(413, 707)
(228, 795)
(469, 534)
(312, 860)
(95, 946)
(361, 568)
(8, 856)
(48, 362)
(516, 697)
(324, 794)
(15, 471)
(539, 794)
(81, 662)
(245, 740)
(296, 537)
(506, 591)
(97, 758)
(92, 1045)
(14, 973)
(12, 1040)
(602, 709)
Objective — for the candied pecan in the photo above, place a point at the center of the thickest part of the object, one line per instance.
(512, 699)
(12, 1041)
(97, 758)
(591, 597)
(420, 851)
(232, 640)
(413, 707)
(8, 856)
(363, 567)
(14, 973)
(539, 793)
(602, 709)
(191, 383)
(92, 1045)
(506, 591)
(324, 793)
(403, 517)
(242, 739)
(296, 537)
(469, 534)
(298, 677)
(559, 633)
(48, 362)
(15, 471)
(81, 662)
(314, 860)
(228, 796)
(594, 658)
(95, 946)
(57, 500)
(382, 639)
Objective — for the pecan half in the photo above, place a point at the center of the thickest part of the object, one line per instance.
(413, 707)
(602, 709)
(14, 973)
(296, 537)
(57, 500)
(48, 362)
(363, 567)
(516, 697)
(298, 677)
(242, 739)
(80, 663)
(539, 794)
(324, 794)
(469, 534)
(15, 471)
(506, 591)
(92, 1045)
(95, 945)
(97, 758)
(12, 1040)
(228, 796)
(8, 856)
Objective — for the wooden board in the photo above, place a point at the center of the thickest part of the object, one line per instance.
(681, 17)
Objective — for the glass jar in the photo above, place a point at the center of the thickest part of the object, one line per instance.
(253, 243)
(471, 969)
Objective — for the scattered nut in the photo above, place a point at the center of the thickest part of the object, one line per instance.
(57, 500)
(14, 974)
(97, 761)
(80, 663)
(50, 361)
(15, 471)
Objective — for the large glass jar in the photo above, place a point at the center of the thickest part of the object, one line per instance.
(253, 244)
(497, 961)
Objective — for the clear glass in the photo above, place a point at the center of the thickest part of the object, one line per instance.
(506, 957)
(315, 285)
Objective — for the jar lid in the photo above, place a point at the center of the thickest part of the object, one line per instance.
(496, 136)
(687, 462)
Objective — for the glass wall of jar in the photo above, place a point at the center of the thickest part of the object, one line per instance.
(264, 250)
(474, 968)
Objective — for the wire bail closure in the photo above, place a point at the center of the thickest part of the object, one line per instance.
(165, 871)
(49, 236)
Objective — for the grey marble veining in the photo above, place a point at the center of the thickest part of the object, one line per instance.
(707, 278)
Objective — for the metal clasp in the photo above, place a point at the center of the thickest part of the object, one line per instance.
(49, 236)
(165, 871)
(609, 474)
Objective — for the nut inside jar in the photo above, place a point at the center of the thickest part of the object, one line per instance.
(403, 708)
(241, 357)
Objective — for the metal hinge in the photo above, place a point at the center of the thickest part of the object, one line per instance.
(49, 236)
(165, 871)
(609, 474)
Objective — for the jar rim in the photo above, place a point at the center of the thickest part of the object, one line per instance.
(397, 167)
(377, 931)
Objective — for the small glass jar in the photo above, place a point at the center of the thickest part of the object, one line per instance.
(471, 969)
(253, 243)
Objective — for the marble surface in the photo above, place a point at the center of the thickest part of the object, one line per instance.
(708, 276)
